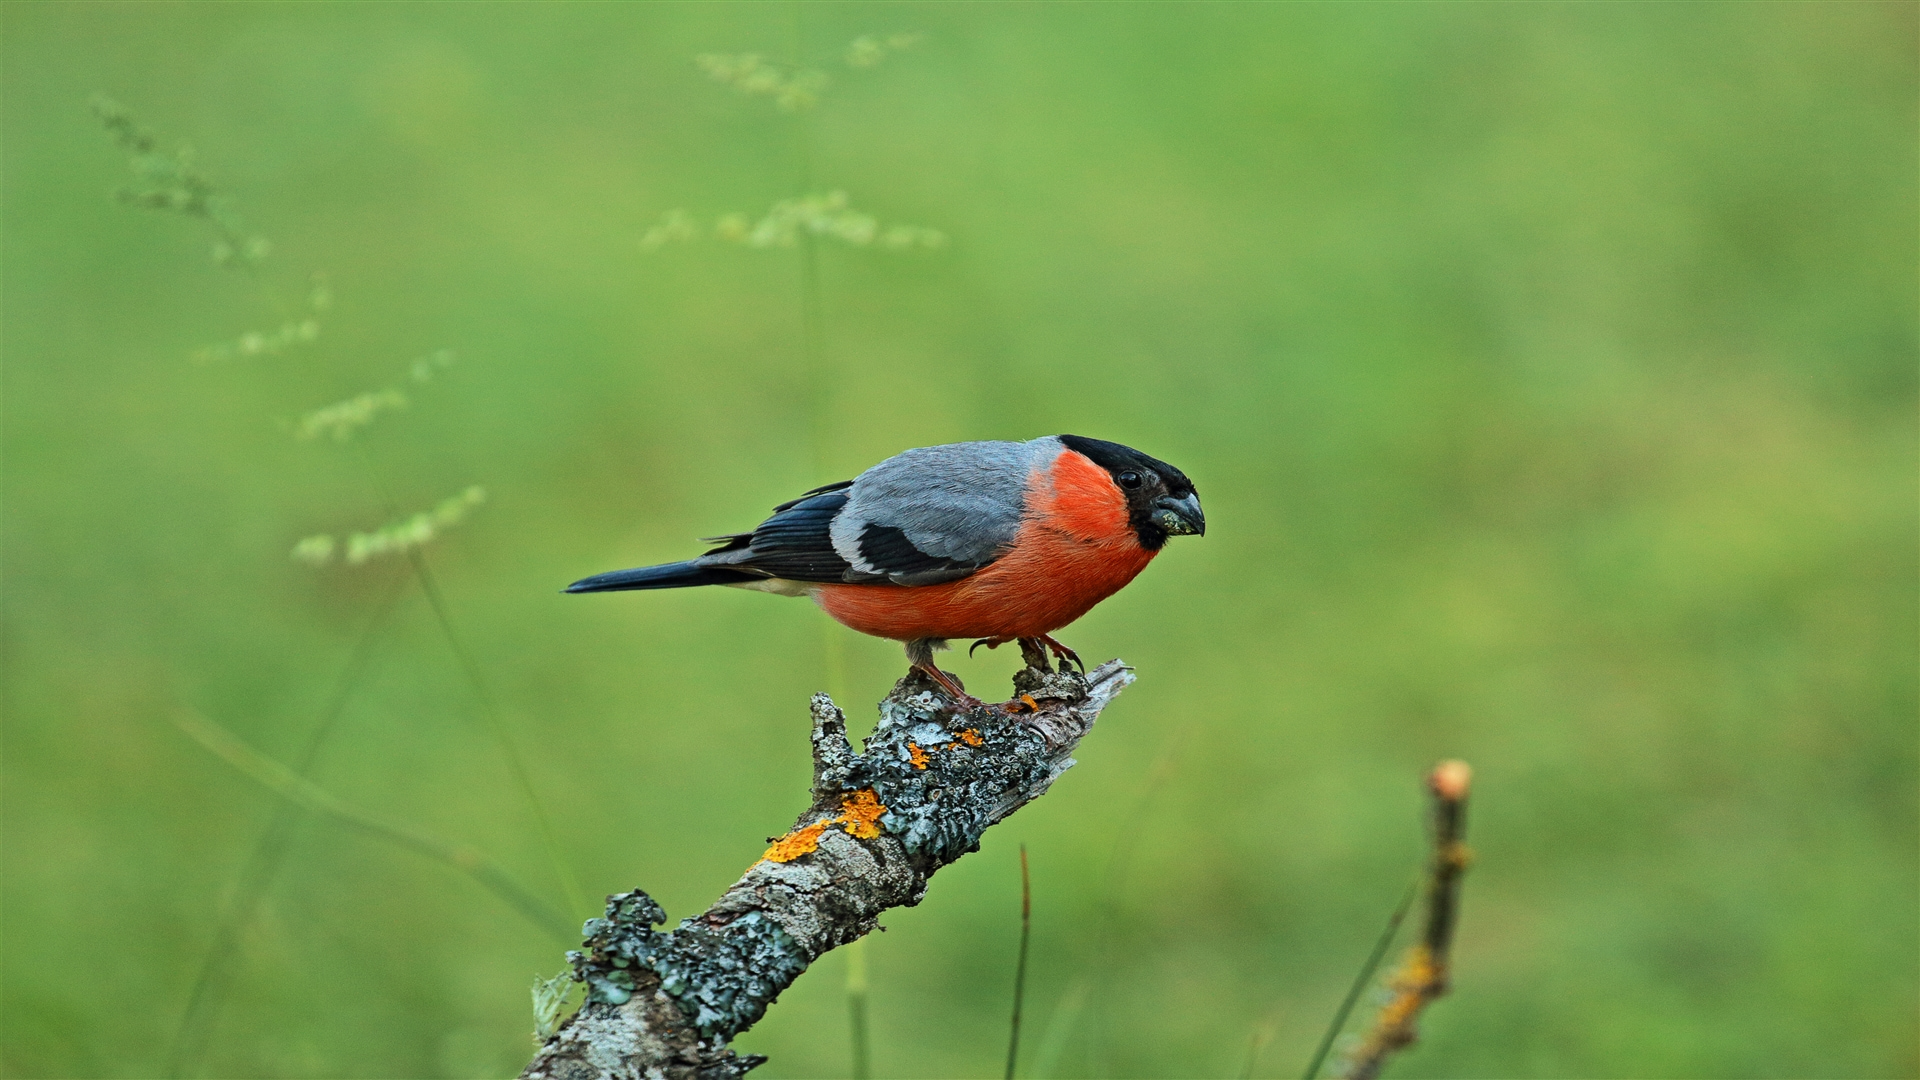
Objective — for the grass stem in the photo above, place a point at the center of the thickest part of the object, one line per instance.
(1426, 971)
(1126, 844)
(813, 352)
(1263, 1033)
(862, 1064)
(269, 853)
(1360, 981)
(490, 709)
(1060, 1024)
(295, 788)
(1020, 965)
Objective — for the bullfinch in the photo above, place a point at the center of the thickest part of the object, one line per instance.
(999, 541)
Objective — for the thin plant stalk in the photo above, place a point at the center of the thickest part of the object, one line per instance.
(1020, 965)
(489, 707)
(269, 854)
(1263, 1033)
(1119, 864)
(293, 787)
(1425, 972)
(1360, 982)
(813, 347)
(576, 897)
(812, 333)
(833, 649)
(301, 794)
(857, 1009)
(1060, 1025)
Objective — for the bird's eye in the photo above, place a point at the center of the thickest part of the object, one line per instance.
(1129, 479)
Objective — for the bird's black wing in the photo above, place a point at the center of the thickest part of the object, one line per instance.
(796, 544)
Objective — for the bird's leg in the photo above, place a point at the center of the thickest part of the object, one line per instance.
(1034, 652)
(951, 685)
(1063, 653)
(920, 655)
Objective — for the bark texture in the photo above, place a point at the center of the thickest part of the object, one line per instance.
(929, 782)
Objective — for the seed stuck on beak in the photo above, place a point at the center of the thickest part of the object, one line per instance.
(1180, 517)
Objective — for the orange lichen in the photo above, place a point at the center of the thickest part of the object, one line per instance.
(1421, 978)
(918, 755)
(861, 817)
(972, 737)
(1416, 983)
(796, 843)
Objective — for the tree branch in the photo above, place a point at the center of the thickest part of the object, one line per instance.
(1424, 973)
(929, 782)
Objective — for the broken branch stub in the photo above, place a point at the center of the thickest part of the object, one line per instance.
(927, 785)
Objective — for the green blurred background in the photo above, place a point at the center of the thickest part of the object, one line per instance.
(1548, 372)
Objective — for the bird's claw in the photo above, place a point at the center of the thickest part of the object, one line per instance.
(989, 642)
(1063, 653)
(1034, 650)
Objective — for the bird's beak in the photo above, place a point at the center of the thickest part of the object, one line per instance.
(1180, 517)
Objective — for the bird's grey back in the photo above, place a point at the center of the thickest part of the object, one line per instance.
(960, 502)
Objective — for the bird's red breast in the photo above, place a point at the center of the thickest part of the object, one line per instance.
(1075, 547)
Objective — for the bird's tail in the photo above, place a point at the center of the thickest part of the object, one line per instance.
(678, 575)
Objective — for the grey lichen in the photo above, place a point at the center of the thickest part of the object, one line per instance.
(617, 945)
(723, 975)
(729, 974)
(967, 776)
(927, 784)
(645, 1036)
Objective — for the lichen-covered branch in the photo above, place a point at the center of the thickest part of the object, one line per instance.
(928, 783)
(1423, 974)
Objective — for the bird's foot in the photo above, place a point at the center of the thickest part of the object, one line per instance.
(1038, 683)
(1034, 652)
(1038, 674)
(1063, 653)
(951, 686)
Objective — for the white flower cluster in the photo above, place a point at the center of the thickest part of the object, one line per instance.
(262, 342)
(394, 537)
(750, 73)
(868, 50)
(342, 418)
(170, 182)
(828, 215)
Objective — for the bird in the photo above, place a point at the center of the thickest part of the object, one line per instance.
(996, 541)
